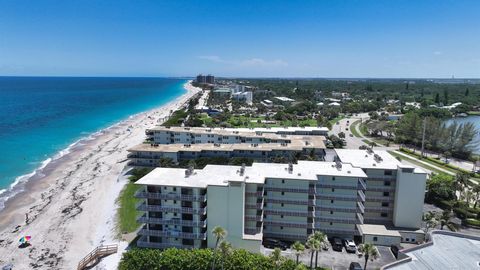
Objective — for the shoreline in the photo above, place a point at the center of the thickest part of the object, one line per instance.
(71, 201)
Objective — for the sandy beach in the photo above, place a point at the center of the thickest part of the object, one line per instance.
(71, 203)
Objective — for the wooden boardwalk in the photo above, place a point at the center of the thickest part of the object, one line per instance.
(95, 255)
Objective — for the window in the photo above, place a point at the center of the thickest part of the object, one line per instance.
(174, 214)
(333, 178)
(386, 183)
(174, 202)
(283, 181)
(333, 190)
(384, 215)
(385, 204)
(407, 239)
(283, 193)
(331, 223)
(386, 193)
(375, 239)
(281, 227)
(388, 172)
(331, 212)
(174, 189)
(282, 204)
(281, 216)
(331, 201)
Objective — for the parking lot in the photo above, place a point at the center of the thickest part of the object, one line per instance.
(339, 260)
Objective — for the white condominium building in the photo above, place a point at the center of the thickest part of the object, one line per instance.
(283, 201)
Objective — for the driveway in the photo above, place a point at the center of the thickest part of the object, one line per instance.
(339, 260)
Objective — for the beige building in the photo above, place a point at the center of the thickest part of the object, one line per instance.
(283, 201)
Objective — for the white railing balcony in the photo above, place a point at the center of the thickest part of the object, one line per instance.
(336, 197)
(336, 220)
(253, 193)
(289, 201)
(293, 213)
(191, 223)
(381, 188)
(361, 184)
(336, 231)
(291, 236)
(169, 196)
(143, 242)
(379, 199)
(254, 206)
(379, 209)
(142, 206)
(254, 218)
(289, 224)
(360, 218)
(361, 207)
(337, 209)
(290, 189)
(354, 186)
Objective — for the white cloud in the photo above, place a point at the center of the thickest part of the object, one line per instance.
(251, 62)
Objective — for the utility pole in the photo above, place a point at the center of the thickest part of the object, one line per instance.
(423, 136)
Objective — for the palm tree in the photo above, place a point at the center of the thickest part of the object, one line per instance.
(461, 182)
(299, 248)
(431, 221)
(225, 249)
(314, 245)
(369, 252)
(220, 234)
(476, 197)
(446, 219)
(276, 257)
(322, 239)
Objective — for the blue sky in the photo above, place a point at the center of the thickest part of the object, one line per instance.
(428, 38)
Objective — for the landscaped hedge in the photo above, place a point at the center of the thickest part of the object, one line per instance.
(197, 259)
(472, 222)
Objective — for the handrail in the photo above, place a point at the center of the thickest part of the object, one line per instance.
(97, 253)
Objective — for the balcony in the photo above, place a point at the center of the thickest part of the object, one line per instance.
(293, 190)
(337, 231)
(292, 213)
(379, 209)
(290, 236)
(191, 223)
(258, 218)
(173, 234)
(253, 231)
(354, 186)
(254, 206)
(379, 199)
(169, 196)
(303, 225)
(361, 207)
(336, 220)
(381, 188)
(253, 193)
(380, 178)
(287, 201)
(158, 208)
(337, 197)
(360, 218)
(337, 209)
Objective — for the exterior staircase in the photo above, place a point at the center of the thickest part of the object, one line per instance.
(95, 255)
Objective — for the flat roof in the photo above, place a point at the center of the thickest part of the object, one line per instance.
(448, 251)
(284, 99)
(296, 144)
(257, 173)
(367, 159)
(373, 229)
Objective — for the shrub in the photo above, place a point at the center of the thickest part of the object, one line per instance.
(463, 213)
(472, 222)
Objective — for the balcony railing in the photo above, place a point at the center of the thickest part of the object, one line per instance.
(304, 225)
(379, 209)
(253, 193)
(289, 201)
(337, 209)
(381, 188)
(379, 199)
(336, 231)
(253, 231)
(354, 186)
(337, 220)
(254, 218)
(293, 190)
(360, 218)
(254, 206)
(173, 234)
(158, 208)
(293, 213)
(379, 178)
(191, 223)
(169, 196)
(336, 197)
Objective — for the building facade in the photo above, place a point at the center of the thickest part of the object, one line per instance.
(282, 201)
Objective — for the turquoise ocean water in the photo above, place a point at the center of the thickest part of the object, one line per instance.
(40, 117)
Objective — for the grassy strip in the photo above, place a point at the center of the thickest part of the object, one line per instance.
(336, 119)
(413, 161)
(473, 113)
(353, 129)
(127, 214)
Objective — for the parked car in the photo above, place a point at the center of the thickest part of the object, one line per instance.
(274, 243)
(337, 244)
(355, 266)
(350, 245)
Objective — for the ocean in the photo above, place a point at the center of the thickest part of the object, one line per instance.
(41, 117)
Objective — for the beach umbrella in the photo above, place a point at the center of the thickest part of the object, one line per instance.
(25, 239)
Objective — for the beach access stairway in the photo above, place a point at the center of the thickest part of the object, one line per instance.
(95, 255)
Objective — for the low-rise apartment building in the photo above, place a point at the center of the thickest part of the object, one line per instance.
(283, 201)
(179, 144)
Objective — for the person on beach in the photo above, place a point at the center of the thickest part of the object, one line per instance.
(26, 218)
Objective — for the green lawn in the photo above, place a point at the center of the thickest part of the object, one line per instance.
(241, 121)
(127, 214)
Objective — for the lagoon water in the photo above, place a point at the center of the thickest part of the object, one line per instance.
(475, 119)
(41, 116)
